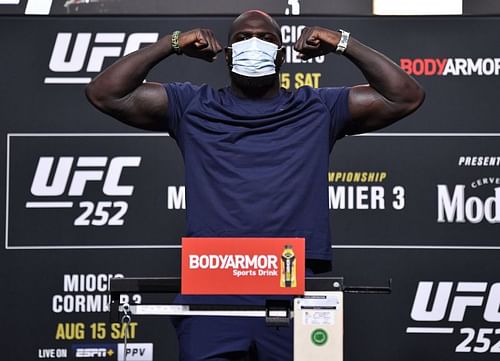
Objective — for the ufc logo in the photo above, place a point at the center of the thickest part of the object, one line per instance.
(62, 173)
(65, 59)
(455, 299)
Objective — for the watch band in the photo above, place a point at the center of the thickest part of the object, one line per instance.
(344, 39)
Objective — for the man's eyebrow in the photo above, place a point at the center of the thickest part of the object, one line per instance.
(249, 32)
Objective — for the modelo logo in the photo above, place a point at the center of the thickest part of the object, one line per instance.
(459, 209)
(67, 180)
(71, 51)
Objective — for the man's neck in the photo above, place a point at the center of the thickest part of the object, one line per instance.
(256, 93)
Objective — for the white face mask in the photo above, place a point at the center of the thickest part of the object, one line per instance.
(254, 57)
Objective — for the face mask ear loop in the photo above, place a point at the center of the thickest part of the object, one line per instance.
(230, 50)
(278, 67)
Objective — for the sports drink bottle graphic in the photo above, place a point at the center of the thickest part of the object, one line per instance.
(288, 268)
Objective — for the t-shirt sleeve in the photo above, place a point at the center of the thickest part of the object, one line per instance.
(180, 95)
(337, 101)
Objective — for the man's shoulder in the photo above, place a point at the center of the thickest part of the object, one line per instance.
(185, 86)
(189, 91)
(308, 92)
(327, 95)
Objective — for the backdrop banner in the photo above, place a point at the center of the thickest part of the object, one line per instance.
(87, 198)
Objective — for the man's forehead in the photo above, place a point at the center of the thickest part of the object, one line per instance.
(254, 20)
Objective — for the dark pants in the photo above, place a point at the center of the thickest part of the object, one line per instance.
(232, 339)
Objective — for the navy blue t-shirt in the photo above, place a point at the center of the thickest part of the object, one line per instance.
(258, 168)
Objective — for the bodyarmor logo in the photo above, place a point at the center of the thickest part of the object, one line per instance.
(83, 52)
(459, 209)
(451, 66)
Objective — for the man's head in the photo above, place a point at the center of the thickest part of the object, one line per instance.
(256, 23)
(256, 36)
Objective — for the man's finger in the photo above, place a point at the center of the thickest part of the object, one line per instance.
(218, 47)
(313, 40)
(201, 44)
(299, 45)
(201, 41)
(212, 45)
(211, 42)
(305, 57)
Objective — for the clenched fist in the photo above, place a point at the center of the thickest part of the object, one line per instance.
(200, 43)
(315, 41)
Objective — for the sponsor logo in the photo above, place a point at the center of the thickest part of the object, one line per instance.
(108, 171)
(475, 202)
(239, 261)
(459, 208)
(94, 351)
(242, 265)
(136, 352)
(288, 267)
(451, 66)
(443, 308)
(82, 191)
(76, 57)
(69, 176)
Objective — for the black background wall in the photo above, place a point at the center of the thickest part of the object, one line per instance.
(429, 219)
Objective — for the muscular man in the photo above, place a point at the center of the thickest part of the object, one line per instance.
(256, 156)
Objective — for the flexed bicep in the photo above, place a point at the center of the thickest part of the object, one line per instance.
(145, 108)
(120, 90)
